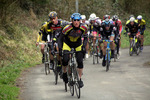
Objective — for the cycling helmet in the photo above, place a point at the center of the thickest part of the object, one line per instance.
(76, 16)
(132, 19)
(115, 18)
(93, 16)
(83, 17)
(139, 17)
(131, 16)
(106, 17)
(52, 14)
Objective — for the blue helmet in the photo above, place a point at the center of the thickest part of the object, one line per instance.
(76, 16)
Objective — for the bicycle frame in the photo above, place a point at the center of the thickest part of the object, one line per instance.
(108, 53)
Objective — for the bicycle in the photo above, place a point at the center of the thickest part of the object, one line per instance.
(96, 52)
(108, 54)
(47, 60)
(135, 46)
(56, 71)
(73, 76)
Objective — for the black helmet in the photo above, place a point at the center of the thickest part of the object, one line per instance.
(52, 14)
(115, 18)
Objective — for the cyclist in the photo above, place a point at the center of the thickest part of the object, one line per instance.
(107, 30)
(71, 38)
(132, 28)
(53, 27)
(40, 38)
(129, 19)
(94, 27)
(142, 23)
(119, 28)
(83, 20)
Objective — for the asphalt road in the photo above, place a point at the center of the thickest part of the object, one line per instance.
(127, 79)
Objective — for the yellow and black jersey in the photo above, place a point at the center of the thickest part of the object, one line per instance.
(72, 35)
(142, 24)
(51, 29)
(132, 28)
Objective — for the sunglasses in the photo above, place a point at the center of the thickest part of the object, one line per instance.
(52, 18)
(76, 20)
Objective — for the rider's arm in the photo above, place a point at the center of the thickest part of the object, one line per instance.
(126, 28)
(84, 27)
(38, 38)
(120, 27)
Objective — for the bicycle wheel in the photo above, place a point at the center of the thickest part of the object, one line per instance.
(77, 87)
(97, 54)
(107, 60)
(131, 49)
(94, 57)
(138, 47)
(65, 86)
(47, 70)
(71, 85)
(55, 71)
(71, 81)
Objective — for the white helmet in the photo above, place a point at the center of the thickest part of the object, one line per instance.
(83, 17)
(139, 17)
(93, 16)
(132, 19)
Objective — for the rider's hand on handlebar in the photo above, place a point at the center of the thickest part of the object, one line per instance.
(129, 33)
(37, 43)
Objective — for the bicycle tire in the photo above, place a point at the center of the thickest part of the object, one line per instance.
(65, 86)
(71, 86)
(47, 70)
(107, 61)
(77, 87)
(55, 71)
(71, 82)
(97, 56)
(138, 47)
(93, 58)
(131, 49)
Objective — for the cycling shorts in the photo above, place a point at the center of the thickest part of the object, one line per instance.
(68, 48)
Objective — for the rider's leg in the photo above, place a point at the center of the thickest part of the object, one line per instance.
(112, 46)
(87, 49)
(64, 67)
(51, 60)
(142, 41)
(104, 53)
(94, 39)
(79, 57)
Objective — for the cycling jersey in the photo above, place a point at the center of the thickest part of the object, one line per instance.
(132, 28)
(43, 32)
(106, 33)
(142, 25)
(52, 29)
(118, 26)
(71, 37)
(95, 26)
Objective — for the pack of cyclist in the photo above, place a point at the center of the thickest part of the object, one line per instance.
(77, 33)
